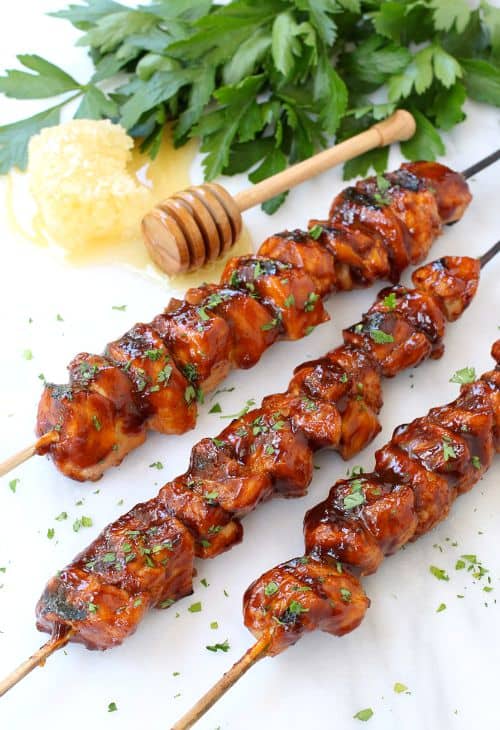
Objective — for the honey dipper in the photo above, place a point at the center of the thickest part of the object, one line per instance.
(202, 223)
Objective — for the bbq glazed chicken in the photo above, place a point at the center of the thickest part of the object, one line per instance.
(153, 377)
(146, 558)
(418, 475)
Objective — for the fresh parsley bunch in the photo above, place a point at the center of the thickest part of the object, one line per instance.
(264, 83)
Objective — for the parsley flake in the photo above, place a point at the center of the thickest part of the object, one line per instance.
(364, 715)
(439, 573)
(219, 647)
(271, 588)
(316, 231)
(390, 301)
(464, 376)
(380, 337)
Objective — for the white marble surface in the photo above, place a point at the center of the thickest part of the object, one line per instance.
(448, 660)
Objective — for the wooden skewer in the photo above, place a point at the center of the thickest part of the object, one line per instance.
(251, 657)
(22, 456)
(203, 222)
(36, 660)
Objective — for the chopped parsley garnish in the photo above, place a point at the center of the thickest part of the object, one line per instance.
(219, 647)
(448, 450)
(214, 300)
(399, 688)
(164, 375)
(28, 355)
(202, 314)
(155, 354)
(379, 196)
(156, 465)
(82, 522)
(380, 337)
(50, 533)
(92, 608)
(166, 603)
(356, 497)
(13, 485)
(346, 595)
(464, 376)
(190, 394)
(270, 325)
(211, 496)
(316, 231)
(311, 301)
(383, 184)
(271, 588)
(390, 301)
(204, 582)
(214, 625)
(109, 557)
(439, 573)
(190, 370)
(218, 443)
(364, 715)
(343, 378)
(138, 602)
(97, 423)
(289, 301)
(120, 307)
(441, 607)
(309, 330)
(215, 408)
(112, 707)
(59, 318)
(296, 608)
(476, 462)
(195, 607)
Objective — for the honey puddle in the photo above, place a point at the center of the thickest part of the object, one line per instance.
(165, 175)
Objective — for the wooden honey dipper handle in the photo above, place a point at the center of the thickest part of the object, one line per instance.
(203, 222)
(396, 128)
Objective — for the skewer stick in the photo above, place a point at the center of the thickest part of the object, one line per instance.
(489, 254)
(22, 456)
(482, 164)
(36, 660)
(251, 657)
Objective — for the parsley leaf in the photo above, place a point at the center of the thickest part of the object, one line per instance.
(267, 82)
(48, 80)
(14, 138)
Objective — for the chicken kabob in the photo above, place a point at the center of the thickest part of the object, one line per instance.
(153, 377)
(145, 559)
(417, 477)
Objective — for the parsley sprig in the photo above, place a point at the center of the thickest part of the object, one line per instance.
(264, 83)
